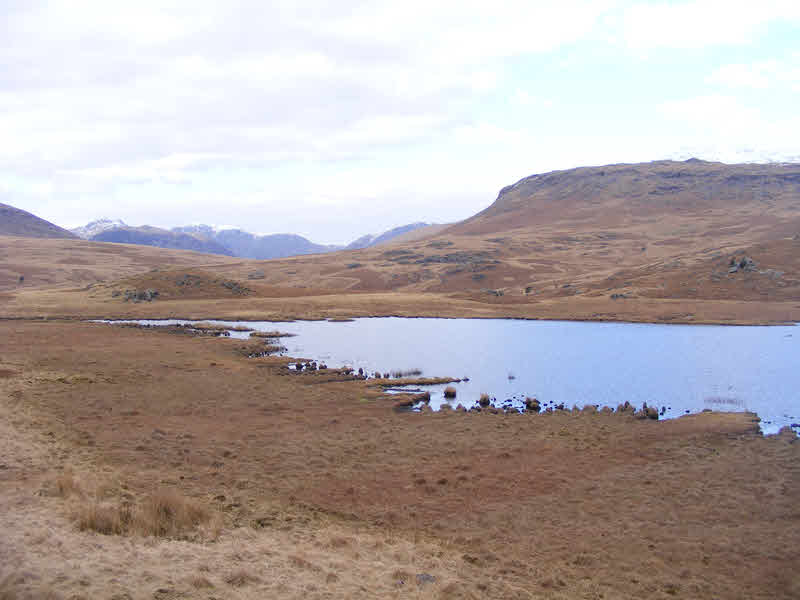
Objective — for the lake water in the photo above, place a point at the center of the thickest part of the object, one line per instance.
(679, 367)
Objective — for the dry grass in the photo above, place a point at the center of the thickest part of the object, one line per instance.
(104, 518)
(12, 587)
(270, 334)
(66, 485)
(200, 582)
(164, 514)
(168, 514)
(344, 496)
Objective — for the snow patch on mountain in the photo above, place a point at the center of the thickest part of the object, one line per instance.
(98, 226)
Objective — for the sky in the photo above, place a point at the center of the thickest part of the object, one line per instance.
(337, 119)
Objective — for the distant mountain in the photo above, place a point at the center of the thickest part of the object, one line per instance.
(281, 245)
(14, 221)
(373, 240)
(161, 238)
(261, 247)
(95, 227)
(365, 241)
(397, 231)
(227, 241)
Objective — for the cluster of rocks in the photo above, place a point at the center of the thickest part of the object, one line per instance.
(744, 263)
(210, 331)
(532, 405)
(186, 280)
(265, 350)
(235, 287)
(459, 258)
(147, 295)
(313, 366)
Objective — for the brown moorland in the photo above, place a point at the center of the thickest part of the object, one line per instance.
(279, 484)
(145, 464)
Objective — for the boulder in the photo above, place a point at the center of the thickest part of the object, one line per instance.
(625, 408)
(532, 404)
(647, 412)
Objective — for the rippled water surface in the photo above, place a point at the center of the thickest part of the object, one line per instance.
(680, 367)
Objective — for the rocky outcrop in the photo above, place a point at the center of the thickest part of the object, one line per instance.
(743, 263)
(147, 295)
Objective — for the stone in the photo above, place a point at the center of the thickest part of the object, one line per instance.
(532, 404)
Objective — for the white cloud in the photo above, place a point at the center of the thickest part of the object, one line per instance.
(727, 129)
(143, 106)
(702, 23)
(760, 75)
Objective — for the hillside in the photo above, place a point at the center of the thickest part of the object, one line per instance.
(14, 221)
(664, 241)
(622, 195)
(657, 230)
(64, 263)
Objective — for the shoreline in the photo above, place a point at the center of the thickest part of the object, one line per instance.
(231, 317)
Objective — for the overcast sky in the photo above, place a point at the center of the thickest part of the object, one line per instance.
(335, 119)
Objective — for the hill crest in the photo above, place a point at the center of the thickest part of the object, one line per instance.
(17, 222)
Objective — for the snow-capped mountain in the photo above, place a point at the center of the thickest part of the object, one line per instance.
(100, 225)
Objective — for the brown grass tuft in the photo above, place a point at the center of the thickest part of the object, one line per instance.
(449, 392)
(104, 518)
(168, 514)
(164, 514)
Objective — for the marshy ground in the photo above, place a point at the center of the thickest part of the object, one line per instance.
(260, 484)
